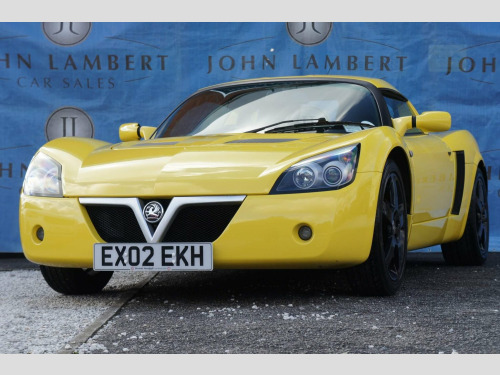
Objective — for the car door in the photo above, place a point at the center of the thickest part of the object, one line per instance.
(432, 164)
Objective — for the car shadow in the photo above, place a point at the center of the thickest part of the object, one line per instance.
(261, 284)
(423, 271)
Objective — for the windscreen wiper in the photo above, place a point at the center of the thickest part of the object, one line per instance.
(307, 120)
(310, 124)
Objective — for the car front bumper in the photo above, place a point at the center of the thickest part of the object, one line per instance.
(262, 234)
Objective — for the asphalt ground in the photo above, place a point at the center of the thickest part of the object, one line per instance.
(439, 309)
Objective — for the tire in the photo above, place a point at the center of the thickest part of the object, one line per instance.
(472, 248)
(382, 273)
(75, 280)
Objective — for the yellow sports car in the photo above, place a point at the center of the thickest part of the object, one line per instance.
(293, 172)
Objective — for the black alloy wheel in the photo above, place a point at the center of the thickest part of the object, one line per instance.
(394, 227)
(482, 219)
(382, 273)
(472, 248)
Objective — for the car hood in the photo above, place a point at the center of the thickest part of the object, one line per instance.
(200, 165)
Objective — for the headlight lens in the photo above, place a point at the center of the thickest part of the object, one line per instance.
(328, 171)
(43, 177)
(304, 178)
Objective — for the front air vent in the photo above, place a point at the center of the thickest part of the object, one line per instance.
(200, 223)
(263, 140)
(115, 223)
(196, 221)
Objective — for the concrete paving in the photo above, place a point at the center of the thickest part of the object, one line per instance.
(439, 309)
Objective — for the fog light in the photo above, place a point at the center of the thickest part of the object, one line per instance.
(40, 233)
(305, 233)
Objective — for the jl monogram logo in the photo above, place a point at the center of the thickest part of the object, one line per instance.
(69, 122)
(66, 33)
(309, 33)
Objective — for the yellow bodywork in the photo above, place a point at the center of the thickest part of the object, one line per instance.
(263, 233)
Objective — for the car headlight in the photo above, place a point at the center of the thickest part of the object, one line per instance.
(329, 171)
(43, 177)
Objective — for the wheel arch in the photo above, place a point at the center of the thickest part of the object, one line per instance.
(481, 166)
(398, 155)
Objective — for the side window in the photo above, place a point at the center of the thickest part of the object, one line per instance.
(397, 108)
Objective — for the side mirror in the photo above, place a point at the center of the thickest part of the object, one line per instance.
(426, 122)
(132, 131)
(434, 122)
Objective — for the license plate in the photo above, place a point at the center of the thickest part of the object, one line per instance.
(153, 257)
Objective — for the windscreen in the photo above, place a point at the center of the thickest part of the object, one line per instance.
(245, 108)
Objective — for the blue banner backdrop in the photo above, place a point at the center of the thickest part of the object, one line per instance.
(85, 79)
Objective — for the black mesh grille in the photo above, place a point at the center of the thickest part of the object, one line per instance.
(193, 223)
(200, 223)
(115, 223)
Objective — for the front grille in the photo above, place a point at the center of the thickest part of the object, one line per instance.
(200, 223)
(192, 223)
(115, 223)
